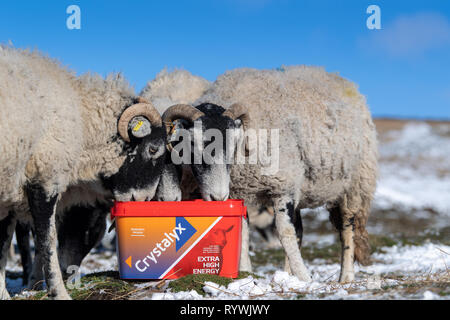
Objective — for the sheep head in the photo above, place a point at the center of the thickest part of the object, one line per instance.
(209, 138)
(140, 126)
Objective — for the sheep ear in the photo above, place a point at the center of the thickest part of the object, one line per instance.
(140, 127)
(239, 135)
(174, 132)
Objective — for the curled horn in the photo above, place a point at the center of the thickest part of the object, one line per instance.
(238, 111)
(142, 108)
(180, 111)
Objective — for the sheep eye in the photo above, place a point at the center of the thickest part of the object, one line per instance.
(152, 150)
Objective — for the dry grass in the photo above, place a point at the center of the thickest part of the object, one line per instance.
(384, 125)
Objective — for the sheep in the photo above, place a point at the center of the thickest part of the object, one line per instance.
(181, 87)
(328, 148)
(167, 89)
(80, 216)
(59, 130)
(178, 86)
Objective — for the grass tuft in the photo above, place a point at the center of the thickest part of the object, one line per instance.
(102, 286)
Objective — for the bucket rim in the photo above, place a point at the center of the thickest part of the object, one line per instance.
(190, 208)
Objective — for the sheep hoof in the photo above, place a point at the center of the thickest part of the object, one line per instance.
(61, 296)
(305, 277)
(4, 295)
(245, 268)
(35, 285)
(299, 270)
(347, 277)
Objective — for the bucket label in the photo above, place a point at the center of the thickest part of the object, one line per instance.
(154, 248)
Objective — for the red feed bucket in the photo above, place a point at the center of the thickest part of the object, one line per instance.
(168, 240)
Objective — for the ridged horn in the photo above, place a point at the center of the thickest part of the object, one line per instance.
(238, 111)
(142, 108)
(180, 111)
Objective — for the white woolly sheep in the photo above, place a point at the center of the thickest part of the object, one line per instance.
(176, 87)
(327, 147)
(81, 213)
(59, 130)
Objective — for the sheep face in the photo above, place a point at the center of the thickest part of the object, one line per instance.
(169, 188)
(212, 138)
(213, 171)
(138, 177)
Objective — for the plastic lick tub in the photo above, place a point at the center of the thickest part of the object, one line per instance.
(168, 240)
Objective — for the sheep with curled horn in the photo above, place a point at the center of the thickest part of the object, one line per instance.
(177, 87)
(59, 131)
(212, 178)
(177, 182)
(327, 147)
(81, 213)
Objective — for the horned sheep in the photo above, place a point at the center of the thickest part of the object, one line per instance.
(167, 89)
(327, 147)
(81, 214)
(58, 131)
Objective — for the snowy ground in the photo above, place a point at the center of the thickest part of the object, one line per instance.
(410, 225)
(394, 269)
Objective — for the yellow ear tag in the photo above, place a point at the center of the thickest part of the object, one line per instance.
(173, 130)
(138, 126)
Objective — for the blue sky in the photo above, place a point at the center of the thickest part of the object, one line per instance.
(403, 69)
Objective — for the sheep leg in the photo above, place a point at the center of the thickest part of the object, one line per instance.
(36, 278)
(284, 222)
(298, 225)
(11, 252)
(23, 243)
(245, 264)
(287, 268)
(343, 220)
(7, 226)
(348, 249)
(43, 208)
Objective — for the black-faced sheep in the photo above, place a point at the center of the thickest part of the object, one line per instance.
(327, 152)
(81, 214)
(168, 89)
(181, 87)
(58, 131)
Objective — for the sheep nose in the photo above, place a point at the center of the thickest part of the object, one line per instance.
(139, 198)
(220, 197)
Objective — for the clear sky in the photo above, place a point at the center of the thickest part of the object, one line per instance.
(403, 69)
